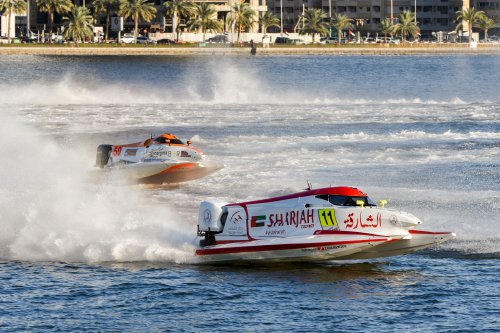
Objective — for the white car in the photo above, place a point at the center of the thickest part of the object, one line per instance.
(298, 41)
(127, 38)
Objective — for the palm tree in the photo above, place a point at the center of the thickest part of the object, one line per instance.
(177, 9)
(78, 24)
(54, 6)
(341, 22)
(137, 9)
(314, 24)
(269, 20)
(12, 6)
(406, 25)
(204, 19)
(386, 27)
(485, 23)
(469, 15)
(242, 16)
(105, 7)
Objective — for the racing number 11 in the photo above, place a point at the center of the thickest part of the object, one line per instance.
(327, 217)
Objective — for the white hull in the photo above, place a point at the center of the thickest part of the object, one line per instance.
(312, 248)
(417, 240)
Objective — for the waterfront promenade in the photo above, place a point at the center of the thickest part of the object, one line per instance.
(422, 49)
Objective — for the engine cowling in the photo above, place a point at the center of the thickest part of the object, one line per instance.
(209, 217)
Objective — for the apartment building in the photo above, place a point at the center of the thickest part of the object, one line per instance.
(39, 20)
(432, 15)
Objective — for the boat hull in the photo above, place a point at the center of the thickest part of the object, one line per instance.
(164, 172)
(415, 241)
(179, 173)
(313, 248)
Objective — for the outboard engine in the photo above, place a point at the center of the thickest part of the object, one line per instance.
(102, 155)
(211, 220)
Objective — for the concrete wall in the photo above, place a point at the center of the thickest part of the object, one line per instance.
(4, 26)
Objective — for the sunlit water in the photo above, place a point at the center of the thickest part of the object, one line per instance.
(83, 253)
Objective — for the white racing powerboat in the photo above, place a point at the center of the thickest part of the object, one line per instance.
(164, 159)
(333, 223)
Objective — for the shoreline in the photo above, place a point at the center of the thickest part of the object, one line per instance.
(239, 51)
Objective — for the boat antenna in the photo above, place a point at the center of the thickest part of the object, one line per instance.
(309, 186)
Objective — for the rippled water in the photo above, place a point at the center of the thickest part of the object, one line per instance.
(82, 254)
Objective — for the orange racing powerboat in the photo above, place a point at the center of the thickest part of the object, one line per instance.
(164, 159)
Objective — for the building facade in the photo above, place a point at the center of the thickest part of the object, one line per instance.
(432, 15)
(39, 21)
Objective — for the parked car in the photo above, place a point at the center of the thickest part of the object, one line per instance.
(127, 38)
(145, 40)
(389, 40)
(298, 41)
(282, 40)
(165, 41)
(329, 40)
(218, 39)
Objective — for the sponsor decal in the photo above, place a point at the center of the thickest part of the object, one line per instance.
(368, 222)
(183, 153)
(236, 218)
(327, 217)
(324, 248)
(153, 160)
(236, 225)
(296, 218)
(207, 216)
(156, 153)
(130, 152)
(117, 150)
(258, 221)
(275, 232)
(393, 219)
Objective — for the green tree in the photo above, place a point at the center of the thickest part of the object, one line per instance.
(78, 25)
(137, 10)
(203, 19)
(314, 23)
(386, 27)
(242, 16)
(106, 7)
(51, 7)
(485, 23)
(176, 9)
(406, 26)
(469, 15)
(12, 6)
(341, 22)
(269, 20)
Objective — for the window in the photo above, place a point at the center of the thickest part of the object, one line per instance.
(340, 200)
(163, 140)
(344, 200)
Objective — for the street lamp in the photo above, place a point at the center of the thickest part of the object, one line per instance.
(281, 17)
(28, 34)
(415, 11)
(392, 11)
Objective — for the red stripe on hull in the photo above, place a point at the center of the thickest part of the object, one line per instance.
(279, 247)
(344, 232)
(422, 232)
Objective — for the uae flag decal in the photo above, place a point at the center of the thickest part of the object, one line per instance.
(258, 221)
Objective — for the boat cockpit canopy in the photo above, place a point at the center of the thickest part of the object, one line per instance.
(172, 139)
(346, 200)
